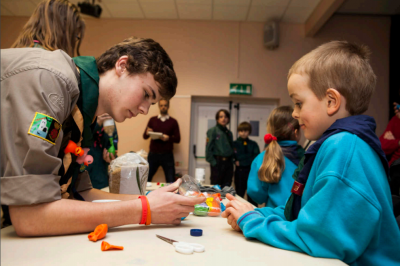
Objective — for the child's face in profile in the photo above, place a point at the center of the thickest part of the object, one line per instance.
(308, 109)
(244, 134)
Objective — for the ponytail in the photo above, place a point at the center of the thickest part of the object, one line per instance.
(273, 163)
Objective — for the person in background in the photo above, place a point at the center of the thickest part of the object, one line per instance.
(340, 206)
(390, 141)
(270, 178)
(161, 150)
(98, 170)
(245, 150)
(55, 24)
(219, 150)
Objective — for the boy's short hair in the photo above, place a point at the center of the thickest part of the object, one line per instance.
(342, 66)
(244, 126)
(144, 55)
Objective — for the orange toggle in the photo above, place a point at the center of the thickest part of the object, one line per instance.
(99, 233)
(73, 148)
(105, 246)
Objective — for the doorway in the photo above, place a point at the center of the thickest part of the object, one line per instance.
(203, 110)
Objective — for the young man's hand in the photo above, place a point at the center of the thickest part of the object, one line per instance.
(234, 210)
(167, 207)
(165, 137)
(102, 118)
(148, 130)
(237, 163)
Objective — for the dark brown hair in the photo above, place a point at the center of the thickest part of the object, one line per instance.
(227, 114)
(342, 66)
(244, 126)
(144, 55)
(56, 24)
(282, 125)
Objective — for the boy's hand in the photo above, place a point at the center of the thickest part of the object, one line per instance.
(235, 209)
(237, 163)
(108, 157)
(148, 130)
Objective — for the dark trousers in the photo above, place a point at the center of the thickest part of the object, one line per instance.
(241, 177)
(222, 173)
(166, 161)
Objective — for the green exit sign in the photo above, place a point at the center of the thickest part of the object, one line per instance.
(243, 89)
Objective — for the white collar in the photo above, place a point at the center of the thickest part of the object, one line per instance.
(163, 117)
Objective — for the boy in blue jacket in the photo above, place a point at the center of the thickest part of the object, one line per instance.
(340, 205)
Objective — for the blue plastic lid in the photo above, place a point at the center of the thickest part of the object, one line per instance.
(196, 232)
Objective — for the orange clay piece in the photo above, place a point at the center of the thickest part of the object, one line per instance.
(105, 246)
(73, 148)
(99, 233)
(215, 208)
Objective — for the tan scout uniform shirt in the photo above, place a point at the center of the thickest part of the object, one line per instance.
(34, 80)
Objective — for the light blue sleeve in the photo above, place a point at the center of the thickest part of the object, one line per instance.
(322, 228)
(255, 189)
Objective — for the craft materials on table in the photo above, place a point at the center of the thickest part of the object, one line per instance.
(183, 247)
(106, 246)
(196, 232)
(99, 233)
(211, 207)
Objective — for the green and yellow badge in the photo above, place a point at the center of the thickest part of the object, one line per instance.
(45, 127)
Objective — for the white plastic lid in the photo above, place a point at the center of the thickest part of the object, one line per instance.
(108, 122)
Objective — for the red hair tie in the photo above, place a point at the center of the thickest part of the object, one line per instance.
(268, 138)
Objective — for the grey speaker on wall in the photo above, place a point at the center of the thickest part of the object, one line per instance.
(271, 35)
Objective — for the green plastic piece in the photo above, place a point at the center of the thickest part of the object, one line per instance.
(200, 210)
(112, 148)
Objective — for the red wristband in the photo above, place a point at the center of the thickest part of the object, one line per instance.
(144, 209)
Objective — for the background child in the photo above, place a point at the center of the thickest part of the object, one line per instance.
(270, 178)
(219, 150)
(245, 150)
(341, 205)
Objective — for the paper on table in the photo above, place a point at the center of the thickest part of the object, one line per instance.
(155, 135)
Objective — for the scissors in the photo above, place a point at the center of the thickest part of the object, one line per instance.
(183, 247)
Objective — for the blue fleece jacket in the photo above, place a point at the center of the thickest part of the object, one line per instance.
(346, 209)
(273, 194)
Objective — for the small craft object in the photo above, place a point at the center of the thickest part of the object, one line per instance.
(196, 232)
(99, 233)
(105, 246)
(85, 158)
(73, 148)
(211, 207)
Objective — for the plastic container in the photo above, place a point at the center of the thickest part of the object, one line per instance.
(188, 188)
(200, 176)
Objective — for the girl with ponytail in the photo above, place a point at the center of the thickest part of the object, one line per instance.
(270, 178)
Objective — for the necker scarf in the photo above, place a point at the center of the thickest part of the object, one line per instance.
(361, 125)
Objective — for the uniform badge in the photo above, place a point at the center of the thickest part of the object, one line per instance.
(45, 127)
(245, 143)
(208, 140)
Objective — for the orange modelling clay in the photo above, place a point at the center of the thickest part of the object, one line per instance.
(215, 207)
(99, 233)
(105, 246)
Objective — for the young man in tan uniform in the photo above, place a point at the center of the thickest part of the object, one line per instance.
(48, 99)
